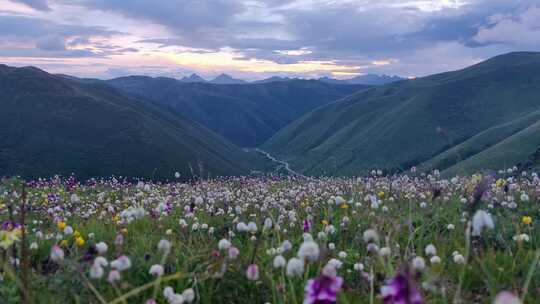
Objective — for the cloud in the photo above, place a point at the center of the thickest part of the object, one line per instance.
(24, 26)
(40, 5)
(51, 43)
(36, 37)
(408, 37)
(521, 30)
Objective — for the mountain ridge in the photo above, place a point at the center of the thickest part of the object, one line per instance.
(53, 125)
(407, 123)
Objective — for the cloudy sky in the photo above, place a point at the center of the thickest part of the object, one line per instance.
(254, 39)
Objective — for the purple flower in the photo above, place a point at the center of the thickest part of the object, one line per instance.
(10, 225)
(401, 290)
(307, 225)
(252, 272)
(323, 289)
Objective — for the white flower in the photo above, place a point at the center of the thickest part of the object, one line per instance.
(295, 267)
(241, 227)
(177, 174)
(335, 263)
(309, 251)
(435, 259)
(279, 261)
(419, 263)
(459, 259)
(268, 223)
(371, 236)
(339, 200)
(96, 272)
(331, 246)
(252, 227)
(34, 246)
(342, 254)
(168, 292)
(358, 266)
(189, 295)
(114, 275)
(121, 263)
(57, 254)
(524, 197)
(521, 238)
(164, 246)
(102, 247)
(451, 227)
(156, 270)
(68, 230)
(385, 251)
(101, 261)
(176, 299)
(286, 245)
(430, 249)
(307, 237)
(480, 221)
(224, 244)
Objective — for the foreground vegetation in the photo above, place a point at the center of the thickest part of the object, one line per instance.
(394, 239)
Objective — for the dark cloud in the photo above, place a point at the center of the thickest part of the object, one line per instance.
(50, 39)
(51, 43)
(415, 36)
(22, 26)
(179, 15)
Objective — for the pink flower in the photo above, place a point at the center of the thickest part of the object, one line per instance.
(57, 254)
(233, 252)
(114, 276)
(252, 272)
(506, 297)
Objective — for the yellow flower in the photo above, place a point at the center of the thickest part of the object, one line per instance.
(7, 238)
(76, 234)
(79, 241)
(124, 230)
(324, 222)
(527, 220)
(381, 194)
(344, 206)
(64, 243)
(499, 182)
(61, 225)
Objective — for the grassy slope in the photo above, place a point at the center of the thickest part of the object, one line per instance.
(245, 114)
(395, 126)
(50, 125)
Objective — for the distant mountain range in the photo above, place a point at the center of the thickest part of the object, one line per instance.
(246, 115)
(61, 125)
(367, 79)
(484, 116)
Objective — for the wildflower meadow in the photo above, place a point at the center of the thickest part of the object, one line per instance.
(407, 238)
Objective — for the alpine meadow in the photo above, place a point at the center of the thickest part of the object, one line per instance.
(254, 151)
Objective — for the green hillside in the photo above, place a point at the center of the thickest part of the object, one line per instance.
(484, 116)
(245, 114)
(53, 125)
